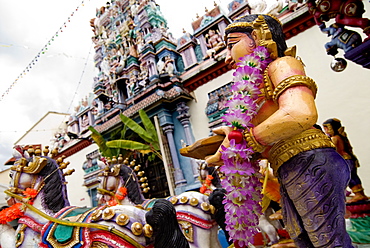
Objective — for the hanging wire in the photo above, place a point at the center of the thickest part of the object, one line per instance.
(40, 53)
(79, 82)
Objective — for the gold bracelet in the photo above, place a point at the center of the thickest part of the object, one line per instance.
(252, 142)
(358, 190)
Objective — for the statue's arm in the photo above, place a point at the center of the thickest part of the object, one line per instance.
(296, 112)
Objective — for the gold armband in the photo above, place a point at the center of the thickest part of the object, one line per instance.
(252, 142)
(292, 81)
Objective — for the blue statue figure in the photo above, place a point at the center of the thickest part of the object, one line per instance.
(341, 38)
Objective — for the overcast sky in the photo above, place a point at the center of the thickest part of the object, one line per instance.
(63, 74)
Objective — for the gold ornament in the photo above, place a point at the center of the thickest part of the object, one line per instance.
(96, 215)
(122, 219)
(108, 214)
(183, 199)
(148, 230)
(187, 230)
(137, 228)
(174, 200)
(205, 206)
(252, 142)
(194, 202)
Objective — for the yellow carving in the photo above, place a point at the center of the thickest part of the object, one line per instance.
(33, 167)
(174, 200)
(122, 219)
(194, 202)
(294, 81)
(20, 235)
(184, 199)
(108, 214)
(212, 209)
(137, 228)
(263, 32)
(148, 230)
(205, 206)
(96, 215)
(267, 90)
(252, 142)
(187, 230)
(284, 150)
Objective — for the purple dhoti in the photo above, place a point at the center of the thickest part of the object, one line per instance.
(313, 187)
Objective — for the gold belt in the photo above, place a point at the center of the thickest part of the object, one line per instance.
(284, 150)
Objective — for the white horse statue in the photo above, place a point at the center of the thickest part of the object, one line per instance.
(194, 213)
(39, 194)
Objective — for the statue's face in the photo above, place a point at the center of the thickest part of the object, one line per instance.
(328, 129)
(238, 45)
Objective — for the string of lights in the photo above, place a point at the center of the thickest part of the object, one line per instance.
(79, 82)
(43, 50)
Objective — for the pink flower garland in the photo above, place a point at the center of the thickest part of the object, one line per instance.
(242, 182)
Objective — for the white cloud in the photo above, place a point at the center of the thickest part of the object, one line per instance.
(50, 85)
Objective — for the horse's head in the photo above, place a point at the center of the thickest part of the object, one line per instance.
(110, 182)
(24, 175)
(38, 178)
(116, 182)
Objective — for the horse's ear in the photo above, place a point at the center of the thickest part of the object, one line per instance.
(33, 167)
(115, 170)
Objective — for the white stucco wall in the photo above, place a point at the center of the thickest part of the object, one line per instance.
(41, 133)
(344, 95)
(77, 193)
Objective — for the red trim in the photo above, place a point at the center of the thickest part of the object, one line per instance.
(74, 149)
(187, 216)
(298, 25)
(31, 223)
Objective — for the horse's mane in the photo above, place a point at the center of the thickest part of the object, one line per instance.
(216, 179)
(215, 199)
(132, 184)
(166, 230)
(54, 190)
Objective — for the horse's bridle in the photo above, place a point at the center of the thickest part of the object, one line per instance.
(107, 172)
(32, 168)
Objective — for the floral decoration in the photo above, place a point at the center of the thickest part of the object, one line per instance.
(206, 185)
(242, 182)
(121, 193)
(112, 203)
(11, 213)
(17, 210)
(30, 193)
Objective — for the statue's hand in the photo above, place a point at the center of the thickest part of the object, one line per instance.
(215, 159)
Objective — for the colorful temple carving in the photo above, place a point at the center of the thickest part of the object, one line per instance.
(140, 65)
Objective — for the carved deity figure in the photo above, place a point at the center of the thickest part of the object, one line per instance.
(143, 76)
(334, 129)
(340, 38)
(214, 43)
(130, 87)
(313, 176)
(166, 67)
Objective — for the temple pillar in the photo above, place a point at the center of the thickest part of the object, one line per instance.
(184, 118)
(179, 176)
(165, 121)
